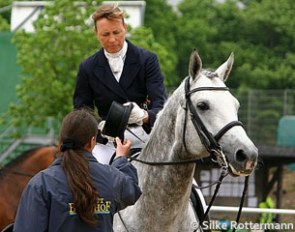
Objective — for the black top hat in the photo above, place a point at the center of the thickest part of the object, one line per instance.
(117, 120)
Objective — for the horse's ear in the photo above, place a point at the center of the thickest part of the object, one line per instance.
(224, 69)
(195, 65)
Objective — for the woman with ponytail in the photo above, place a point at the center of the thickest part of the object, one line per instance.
(76, 193)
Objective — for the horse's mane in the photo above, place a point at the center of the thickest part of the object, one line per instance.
(24, 155)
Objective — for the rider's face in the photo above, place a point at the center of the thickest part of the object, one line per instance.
(111, 34)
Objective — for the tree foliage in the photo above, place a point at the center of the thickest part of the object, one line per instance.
(260, 33)
(49, 60)
(160, 17)
(166, 59)
(4, 26)
(5, 15)
(161, 37)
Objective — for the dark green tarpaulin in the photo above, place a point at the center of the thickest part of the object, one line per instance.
(9, 71)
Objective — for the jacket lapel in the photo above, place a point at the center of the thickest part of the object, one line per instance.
(103, 72)
(131, 67)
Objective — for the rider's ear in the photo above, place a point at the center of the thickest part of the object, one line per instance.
(224, 70)
(195, 65)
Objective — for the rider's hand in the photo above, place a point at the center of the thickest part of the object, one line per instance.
(122, 148)
(137, 114)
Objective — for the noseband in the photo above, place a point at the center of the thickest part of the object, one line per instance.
(209, 141)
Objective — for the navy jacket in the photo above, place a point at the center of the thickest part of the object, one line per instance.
(141, 79)
(46, 202)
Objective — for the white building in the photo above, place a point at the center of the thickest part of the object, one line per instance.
(23, 14)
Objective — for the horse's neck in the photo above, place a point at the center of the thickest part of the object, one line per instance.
(21, 172)
(168, 185)
(11, 187)
(42, 158)
(16, 177)
(162, 145)
(162, 138)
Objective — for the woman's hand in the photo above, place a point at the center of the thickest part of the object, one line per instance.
(122, 148)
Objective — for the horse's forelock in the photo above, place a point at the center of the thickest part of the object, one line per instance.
(208, 73)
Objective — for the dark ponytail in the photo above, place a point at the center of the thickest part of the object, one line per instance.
(78, 128)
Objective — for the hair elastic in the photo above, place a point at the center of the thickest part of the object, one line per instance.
(68, 144)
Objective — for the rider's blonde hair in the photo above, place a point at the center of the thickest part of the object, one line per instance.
(111, 12)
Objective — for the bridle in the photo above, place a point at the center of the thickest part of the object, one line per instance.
(209, 141)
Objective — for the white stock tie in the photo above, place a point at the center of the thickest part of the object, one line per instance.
(116, 61)
(116, 64)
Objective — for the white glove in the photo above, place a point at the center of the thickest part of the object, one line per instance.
(137, 114)
(100, 127)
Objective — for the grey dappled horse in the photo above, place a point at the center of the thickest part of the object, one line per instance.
(164, 204)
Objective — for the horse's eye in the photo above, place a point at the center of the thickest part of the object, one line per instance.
(203, 106)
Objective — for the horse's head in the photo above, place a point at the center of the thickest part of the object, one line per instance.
(214, 113)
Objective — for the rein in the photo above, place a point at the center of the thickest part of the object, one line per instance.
(133, 157)
(15, 172)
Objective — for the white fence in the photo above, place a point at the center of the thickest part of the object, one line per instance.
(228, 209)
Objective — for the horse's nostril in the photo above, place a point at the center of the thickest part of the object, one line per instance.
(241, 156)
